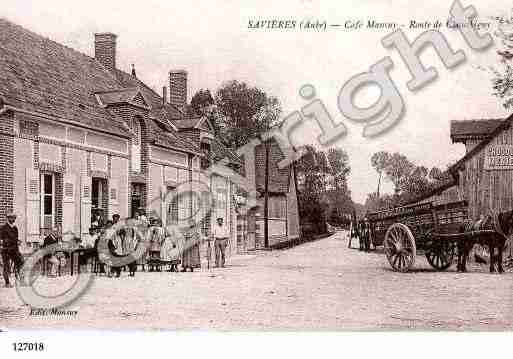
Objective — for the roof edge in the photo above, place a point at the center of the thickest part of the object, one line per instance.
(504, 125)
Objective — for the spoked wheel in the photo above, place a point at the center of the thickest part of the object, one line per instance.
(400, 247)
(440, 254)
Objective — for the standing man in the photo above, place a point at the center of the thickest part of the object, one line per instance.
(221, 235)
(9, 245)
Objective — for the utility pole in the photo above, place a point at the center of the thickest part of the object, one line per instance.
(266, 195)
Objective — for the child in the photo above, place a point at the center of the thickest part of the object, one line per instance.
(170, 252)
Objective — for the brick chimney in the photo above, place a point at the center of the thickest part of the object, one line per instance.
(164, 95)
(178, 88)
(105, 49)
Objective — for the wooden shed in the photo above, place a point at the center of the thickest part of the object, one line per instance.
(484, 176)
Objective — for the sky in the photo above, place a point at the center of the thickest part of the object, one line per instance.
(212, 41)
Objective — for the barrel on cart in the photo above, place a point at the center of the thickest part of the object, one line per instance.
(420, 228)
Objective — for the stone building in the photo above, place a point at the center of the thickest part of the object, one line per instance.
(79, 136)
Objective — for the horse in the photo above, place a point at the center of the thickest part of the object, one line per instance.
(501, 224)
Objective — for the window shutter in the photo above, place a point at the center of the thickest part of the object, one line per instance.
(173, 209)
(68, 203)
(85, 204)
(32, 209)
(113, 196)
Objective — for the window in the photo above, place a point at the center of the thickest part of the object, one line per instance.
(97, 195)
(221, 199)
(277, 207)
(207, 214)
(137, 197)
(172, 209)
(137, 132)
(47, 200)
(205, 149)
(136, 145)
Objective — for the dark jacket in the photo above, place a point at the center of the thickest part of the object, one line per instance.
(49, 240)
(9, 237)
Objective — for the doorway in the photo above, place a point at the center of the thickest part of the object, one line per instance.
(137, 197)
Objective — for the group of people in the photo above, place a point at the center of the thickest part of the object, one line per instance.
(113, 246)
(162, 245)
(361, 230)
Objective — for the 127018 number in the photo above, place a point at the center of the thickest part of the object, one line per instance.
(28, 347)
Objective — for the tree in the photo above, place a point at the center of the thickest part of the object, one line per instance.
(203, 104)
(377, 203)
(436, 174)
(339, 167)
(338, 171)
(247, 112)
(502, 72)
(413, 184)
(397, 168)
(309, 172)
(202, 101)
(322, 186)
(241, 113)
(379, 161)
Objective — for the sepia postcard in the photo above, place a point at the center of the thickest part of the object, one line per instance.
(256, 166)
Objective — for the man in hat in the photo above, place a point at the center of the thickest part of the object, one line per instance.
(221, 235)
(9, 245)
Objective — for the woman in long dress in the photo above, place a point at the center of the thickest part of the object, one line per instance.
(172, 247)
(156, 241)
(191, 253)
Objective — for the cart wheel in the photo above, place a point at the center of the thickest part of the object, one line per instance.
(400, 247)
(440, 254)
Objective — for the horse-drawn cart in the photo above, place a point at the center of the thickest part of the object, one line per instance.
(433, 230)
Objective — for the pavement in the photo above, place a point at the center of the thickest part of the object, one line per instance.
(320, 285)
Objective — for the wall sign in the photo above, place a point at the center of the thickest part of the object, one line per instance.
(499, 157)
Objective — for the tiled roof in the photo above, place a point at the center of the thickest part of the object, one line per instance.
(40, 75)
(156, 102)
(473, 128)
(278, 178)
(171, 139)
(188, 122)
(219, 151)
(128, 95)
(164, 113)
